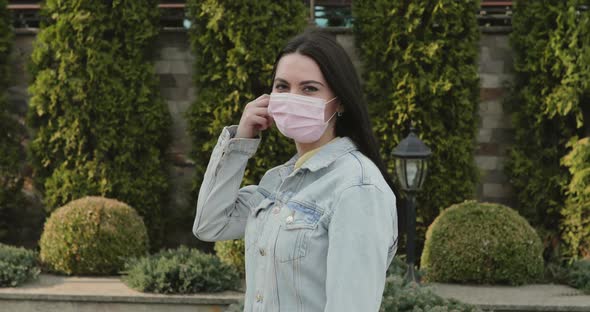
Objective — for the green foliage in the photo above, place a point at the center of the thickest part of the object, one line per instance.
(235, 43)
(476, 242)
(11, 134)
(576, 213)
(101, 125)
(401, 296)
(578, 275)
(397, 267)
(92, 235)
(232, 252)
(17, 265)
(420, 65)
(181, 271)
(236, 307)
(555, 273)
(545, 103)
(569, 46)
(5, 44)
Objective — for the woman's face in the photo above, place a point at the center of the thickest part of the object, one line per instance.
(300, 74)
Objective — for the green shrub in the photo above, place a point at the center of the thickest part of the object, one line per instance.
(569, 46)
(482, 243)
(545, 75)
(101, 127)
(401, 296)
(397, 267)
(236, 307)
(17, 265)
(181, 271)
(555, 273)
(576, 213)
(232, 252)
(234, 55)
(6, 37)
(420, 65)
(11, 134)
(578, 275)
(92, 235)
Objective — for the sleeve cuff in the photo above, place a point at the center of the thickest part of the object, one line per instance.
(240, 145)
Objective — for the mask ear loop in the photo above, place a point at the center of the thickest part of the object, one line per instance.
(339, 114)
(328, 121)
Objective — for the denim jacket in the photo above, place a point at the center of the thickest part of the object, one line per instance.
(318, 238)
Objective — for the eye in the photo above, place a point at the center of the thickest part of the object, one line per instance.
(309, 89)
(281, 87)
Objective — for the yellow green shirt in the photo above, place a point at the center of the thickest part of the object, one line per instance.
(310, 154)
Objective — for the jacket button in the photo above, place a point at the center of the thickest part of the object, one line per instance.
(262, 252)
(289, 219)
(258, 298)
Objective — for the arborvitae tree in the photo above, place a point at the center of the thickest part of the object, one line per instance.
(101, 126)
(235, 43)
(550, 44)
(11, 133)
(420, 65)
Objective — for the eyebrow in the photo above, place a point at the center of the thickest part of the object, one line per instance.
(301, 83)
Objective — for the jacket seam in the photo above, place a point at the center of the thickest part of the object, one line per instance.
(330, 212)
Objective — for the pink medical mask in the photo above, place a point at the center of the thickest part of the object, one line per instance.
(299, 117)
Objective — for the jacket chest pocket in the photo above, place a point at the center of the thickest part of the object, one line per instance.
(256, 222)
(296, 229)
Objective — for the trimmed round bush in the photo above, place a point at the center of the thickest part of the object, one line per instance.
(17, 265)
(232, 252)
(487, 243)
(180, 271)
(93, 236)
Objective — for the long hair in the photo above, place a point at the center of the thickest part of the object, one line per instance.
(342, 78)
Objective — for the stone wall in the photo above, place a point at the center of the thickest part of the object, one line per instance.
(173, 62)
(495, 132)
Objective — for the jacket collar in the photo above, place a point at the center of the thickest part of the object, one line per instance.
(328, 154)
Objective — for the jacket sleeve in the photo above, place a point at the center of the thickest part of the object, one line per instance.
(362, 237)
(222, 207)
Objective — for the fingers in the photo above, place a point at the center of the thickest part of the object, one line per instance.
(261, 101)
(259, 111)
(260, 122)
(258, 116)
(255, 118)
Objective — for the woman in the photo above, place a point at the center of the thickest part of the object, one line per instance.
(320, 230)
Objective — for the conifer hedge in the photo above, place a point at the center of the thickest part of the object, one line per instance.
(420, 65)
(11, 133)
(550, 40)
(576, 213)
(235, 43)
(101, 127)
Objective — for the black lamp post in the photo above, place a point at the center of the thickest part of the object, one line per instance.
(411, 164)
